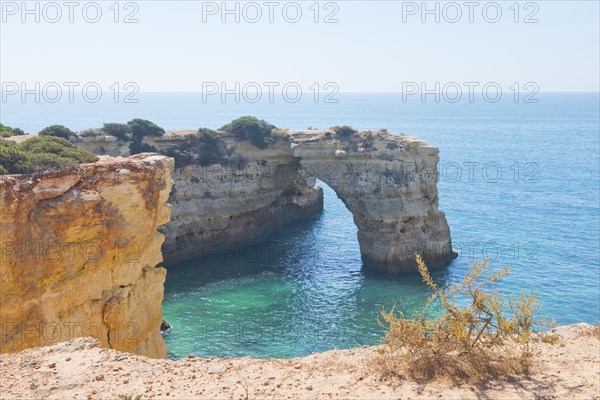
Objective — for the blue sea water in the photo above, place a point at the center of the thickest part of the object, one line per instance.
(519, 183)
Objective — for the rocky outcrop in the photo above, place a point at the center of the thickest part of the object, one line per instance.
(219, 209)
(388, 182)
(104, 145)
(79, 250)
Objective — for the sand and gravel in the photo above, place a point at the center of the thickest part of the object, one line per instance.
(80, 369)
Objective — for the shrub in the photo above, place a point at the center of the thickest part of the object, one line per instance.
(142, 127)
(236, 161)
(204, 148)
(41, 154)
(136, 146)
(7, 131)
(257, 132)
(12, 160)
(57, 131)
(477, 334)
(4, 128)
(210, 147)
(182, 158)
(120, 131)
(343, 130)
(369, 142)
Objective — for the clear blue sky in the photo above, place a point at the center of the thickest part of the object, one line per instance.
(370, 49)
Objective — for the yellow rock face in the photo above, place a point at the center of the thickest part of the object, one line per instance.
(78, 255)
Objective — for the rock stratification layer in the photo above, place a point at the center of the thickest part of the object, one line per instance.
(79, 250)
(387, 181)
(221, 209)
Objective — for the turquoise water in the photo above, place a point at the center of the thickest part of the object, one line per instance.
(532, 203)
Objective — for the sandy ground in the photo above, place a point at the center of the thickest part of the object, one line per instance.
(18, 139)
(80, 370)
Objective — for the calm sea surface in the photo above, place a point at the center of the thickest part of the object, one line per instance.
(519, 183)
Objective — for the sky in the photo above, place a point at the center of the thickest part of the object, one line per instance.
(365, 46)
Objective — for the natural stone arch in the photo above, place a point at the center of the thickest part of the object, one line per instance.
(389, 184)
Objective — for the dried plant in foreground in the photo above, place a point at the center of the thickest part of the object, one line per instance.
(478, 334)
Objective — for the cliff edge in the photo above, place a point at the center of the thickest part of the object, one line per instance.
(79, 369)
(79, 250)
(387, 181)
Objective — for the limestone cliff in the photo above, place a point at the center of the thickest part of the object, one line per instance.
(389, 184)
(79, 250)
(218, 207)
(387, 181)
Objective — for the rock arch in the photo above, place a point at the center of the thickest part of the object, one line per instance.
(389, 184)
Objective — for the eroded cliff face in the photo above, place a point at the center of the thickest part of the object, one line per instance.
(79, 251)
(222, 208)
(389, 184)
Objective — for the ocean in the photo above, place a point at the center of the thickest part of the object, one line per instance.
(519, 183)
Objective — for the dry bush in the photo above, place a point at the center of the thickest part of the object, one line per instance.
(478, 334)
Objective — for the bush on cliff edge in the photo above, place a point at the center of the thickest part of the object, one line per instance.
(257, 132)
(57, 131)
(343, 130)
(141, 128)
(203, 148)
(7, 131)
(478, 333)
(120, 131)
(41, 153)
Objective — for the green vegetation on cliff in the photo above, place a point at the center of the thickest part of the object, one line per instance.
(141, 128)
(206, 147)
(120, 131)
(41, 153)
(257, 132)
(57, 131)
(343, 130)
(52, 149)
(203, 148)
(7, 131)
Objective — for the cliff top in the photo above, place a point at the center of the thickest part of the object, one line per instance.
(80, 368)
(104, 162)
